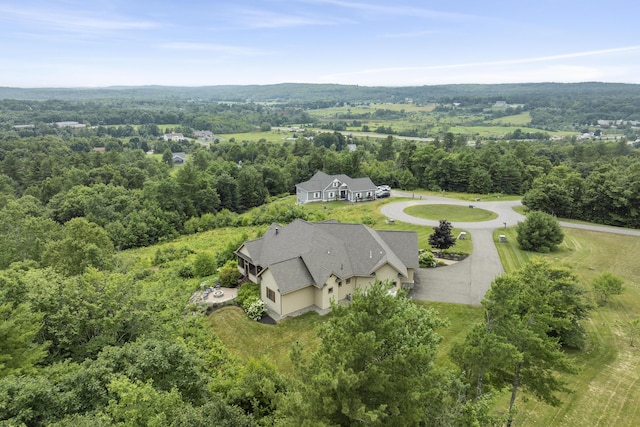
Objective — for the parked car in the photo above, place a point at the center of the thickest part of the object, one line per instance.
(383, 191)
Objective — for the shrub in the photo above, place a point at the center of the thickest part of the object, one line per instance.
(256, 309)
(247, 293)
(186, 271)
(606, 285)
(204, 265)
(427, 260)
(368, 220)
(229, 274)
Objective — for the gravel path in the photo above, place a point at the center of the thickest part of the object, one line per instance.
(467, 281)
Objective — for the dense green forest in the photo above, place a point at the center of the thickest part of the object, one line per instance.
(90, 338)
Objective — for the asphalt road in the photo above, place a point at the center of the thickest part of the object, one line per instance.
(467, 281)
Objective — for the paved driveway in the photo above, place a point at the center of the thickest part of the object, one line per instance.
(467, 281)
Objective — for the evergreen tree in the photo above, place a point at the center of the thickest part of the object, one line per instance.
(442, 238)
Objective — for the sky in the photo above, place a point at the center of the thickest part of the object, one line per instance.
(98, 43)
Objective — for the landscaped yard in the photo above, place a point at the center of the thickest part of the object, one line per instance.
(607, 385)
(452, 213)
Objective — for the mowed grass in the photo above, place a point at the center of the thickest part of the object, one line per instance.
(451, 213)
(607, 387)
(247, 339)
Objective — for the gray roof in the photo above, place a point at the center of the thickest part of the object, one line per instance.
(320, 181)
(304, 253)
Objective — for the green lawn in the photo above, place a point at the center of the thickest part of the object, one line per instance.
(607, 387)
(246, 338)
(451, 213)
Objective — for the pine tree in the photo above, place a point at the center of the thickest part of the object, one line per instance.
(442, 238)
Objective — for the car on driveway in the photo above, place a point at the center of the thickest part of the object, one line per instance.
(383, 191)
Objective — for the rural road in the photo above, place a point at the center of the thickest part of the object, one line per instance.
(467, 281)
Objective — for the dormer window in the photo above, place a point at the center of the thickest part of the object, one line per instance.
(335, 183)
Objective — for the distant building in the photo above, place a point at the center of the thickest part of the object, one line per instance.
(501, 104)
(173, 137)
(204, 135)
(74, 125)
(179, 157)
(323, 188)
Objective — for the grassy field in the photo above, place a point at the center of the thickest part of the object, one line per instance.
(522, 119)
(451, 213)
(607, 388)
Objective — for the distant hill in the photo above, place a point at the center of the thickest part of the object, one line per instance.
(304, 92)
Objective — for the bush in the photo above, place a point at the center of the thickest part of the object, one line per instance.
(247, 292)
(229, 274)
(186, 271)
(427, 260)
(539, 232)
(606, 285)
(204, 265)
(368, 220)
(256, 309)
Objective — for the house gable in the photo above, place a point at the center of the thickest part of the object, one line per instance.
(323, 187)
(325, 256)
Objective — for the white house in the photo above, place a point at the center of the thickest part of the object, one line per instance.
(324, 188)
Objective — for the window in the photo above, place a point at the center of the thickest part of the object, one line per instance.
(348, 280)
(271, 295)
(332, 194)
(330, 290)
(335, 183)
(316, 195)
(339, 283)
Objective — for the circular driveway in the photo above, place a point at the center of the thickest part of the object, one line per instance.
(467, 281)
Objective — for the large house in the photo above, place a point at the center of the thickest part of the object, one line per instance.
(324, 188)
(304, 266)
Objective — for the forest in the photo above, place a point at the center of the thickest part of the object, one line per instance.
(91, 337)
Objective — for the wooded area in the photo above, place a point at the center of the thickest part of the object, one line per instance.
(89, 337)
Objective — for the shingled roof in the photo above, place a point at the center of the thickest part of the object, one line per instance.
(305, 254)
(321, 181)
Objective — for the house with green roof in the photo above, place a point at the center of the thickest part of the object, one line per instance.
(304, 266)
(324, 188)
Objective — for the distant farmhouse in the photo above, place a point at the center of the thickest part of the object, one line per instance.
(324, 188)
(304, 266)
(203, 135)
(174, 137)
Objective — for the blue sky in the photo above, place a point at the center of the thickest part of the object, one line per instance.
(93, 43)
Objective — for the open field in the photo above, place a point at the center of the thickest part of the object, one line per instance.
(522, 119)
(607, 387)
